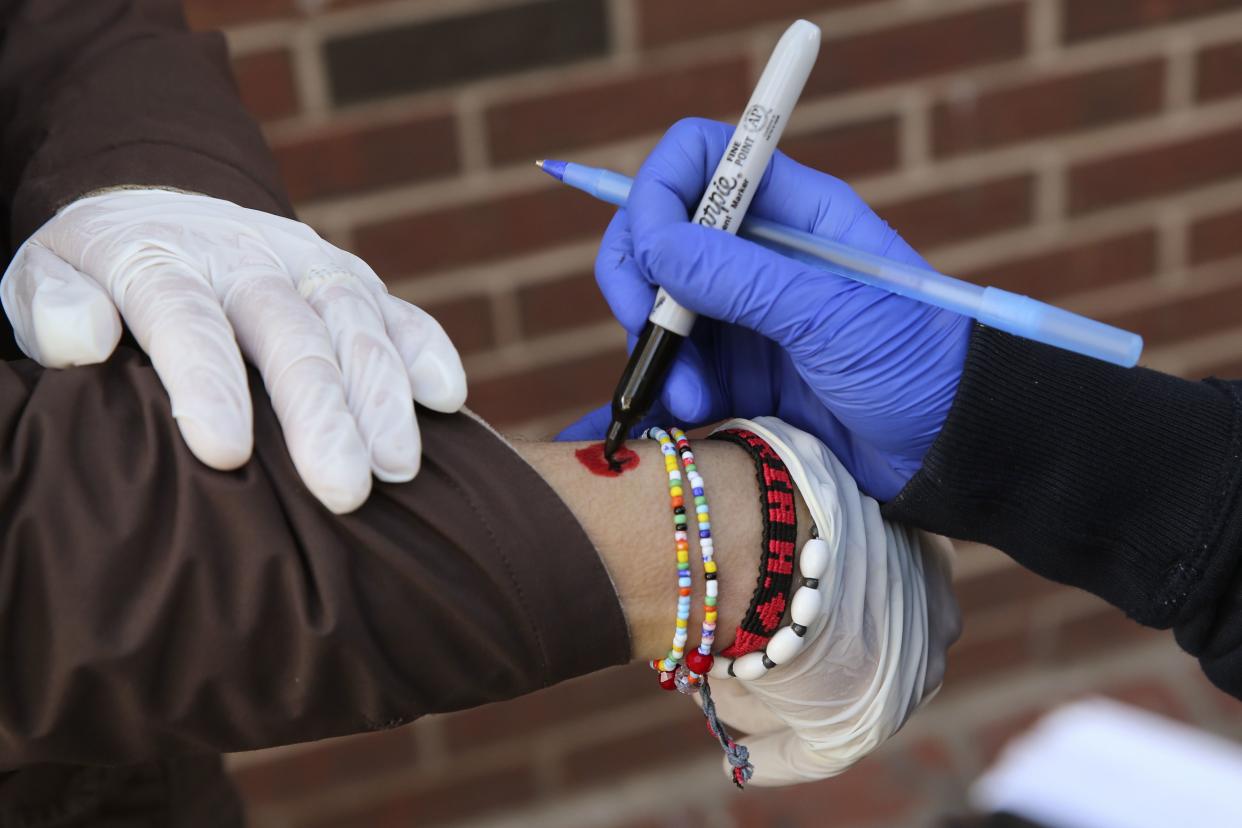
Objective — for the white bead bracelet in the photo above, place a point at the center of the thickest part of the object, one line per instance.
(787, 642)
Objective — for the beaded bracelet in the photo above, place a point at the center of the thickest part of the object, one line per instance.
(780, 534)
(699, 661)
(691, 676)
(803, 610)
(667, 666)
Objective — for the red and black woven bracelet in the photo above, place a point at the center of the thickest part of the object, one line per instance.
(780, 534)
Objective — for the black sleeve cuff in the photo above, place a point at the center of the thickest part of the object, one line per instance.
(1123, 482)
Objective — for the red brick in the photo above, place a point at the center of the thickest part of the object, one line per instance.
(859, 149)
(913, 50)
(662, 743)
(1104, 630)
(480, 231)
(561, 304)
(1005, 587)
(662, 22)
(991, 738)
(963, 212)
(332, 762)
(461, 795)
(982, 654)
(1216, 237)
(1226, 367)
(1151, 694)
(546, 390)
(213, 14)
(1097, 18)
(348, 159)
(266, 83)
(1049, 107)
(1065, 270)
(672, 816)
(523, 718)
(1185, 317)
(467, 321)
(571, 118)
(1157, 171)
(867, 794)
(398, 58)
(1219, 72)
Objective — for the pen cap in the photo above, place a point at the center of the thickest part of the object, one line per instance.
(781, 83)
(736, 179)
(1028, 318)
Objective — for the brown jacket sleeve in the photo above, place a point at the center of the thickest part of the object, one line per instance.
(101, 93)
(150, 606)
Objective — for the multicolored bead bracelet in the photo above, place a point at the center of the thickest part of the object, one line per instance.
(667, 666)
(699, 661)
(688, 673)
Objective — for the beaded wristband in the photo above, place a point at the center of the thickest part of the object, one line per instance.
(803, 610)
(688, 677)
(691, 677)
(667, 665)
(780, 534)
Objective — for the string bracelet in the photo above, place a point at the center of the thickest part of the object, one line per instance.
(699, 661)
(780, 536)
(666, 667)
(803, 610)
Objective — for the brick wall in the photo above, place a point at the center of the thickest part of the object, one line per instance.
(1085, 152)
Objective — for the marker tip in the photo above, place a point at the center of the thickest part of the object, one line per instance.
(539, 163)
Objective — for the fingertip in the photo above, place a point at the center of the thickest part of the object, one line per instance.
(341, 479)
(75, 334)
(686, 394)
(342, 501)
(396, 452)
(224, 447)
(438, 380)
(61, 317)
(436, 376)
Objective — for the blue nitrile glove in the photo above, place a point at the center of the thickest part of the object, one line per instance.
(870, 373)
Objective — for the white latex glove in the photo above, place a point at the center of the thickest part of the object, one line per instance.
(876, 652)
(195, 277)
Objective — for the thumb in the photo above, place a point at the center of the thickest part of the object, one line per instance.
(61, 317)
(734, 280)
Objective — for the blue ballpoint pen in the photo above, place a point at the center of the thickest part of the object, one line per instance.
(998, 308)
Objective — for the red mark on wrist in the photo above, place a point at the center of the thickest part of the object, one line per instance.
(593, 458)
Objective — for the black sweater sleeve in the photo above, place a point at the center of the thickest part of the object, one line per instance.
(1124, 483)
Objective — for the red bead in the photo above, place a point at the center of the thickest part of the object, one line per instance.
(666, 681)
(698, 662)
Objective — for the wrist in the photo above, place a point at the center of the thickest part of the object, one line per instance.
(737, 535)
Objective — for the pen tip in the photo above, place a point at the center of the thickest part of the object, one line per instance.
(539, 163)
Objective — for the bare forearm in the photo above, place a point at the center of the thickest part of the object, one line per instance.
(629, 520)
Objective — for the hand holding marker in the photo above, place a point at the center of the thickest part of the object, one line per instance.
(669, 323)
(1009, 312)
(723, 206)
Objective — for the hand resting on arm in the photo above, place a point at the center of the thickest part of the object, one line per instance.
(163, 608)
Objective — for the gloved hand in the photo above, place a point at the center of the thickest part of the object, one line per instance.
(342, 360)
(870, 373)
(876, 652)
